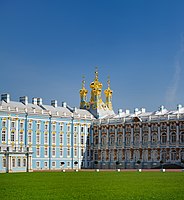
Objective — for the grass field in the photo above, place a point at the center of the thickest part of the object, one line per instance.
(92, 185)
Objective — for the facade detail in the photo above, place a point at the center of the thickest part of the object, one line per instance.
(35, 136)
(96, 106)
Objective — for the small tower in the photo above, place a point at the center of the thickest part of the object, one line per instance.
(108, 95)
(83, 94)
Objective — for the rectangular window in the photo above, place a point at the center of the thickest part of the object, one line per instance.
(12, 136)
(21, 137)
(61, 139)
(21, 125)
(18, 162)
(38, 126)
(88, 140)
(75, 152)
(82, 129)
(68, 128)
(45, 139)
(75, 128)
(29, 137)
(12, 124)
(75, 139)
(46, 127)
(37, 138)
(30, 125)
(82, 139)
(4, 162)
(68, 139)
(82, 152)
(88, 130)
(68, 151)
(37, 164)
(46, 151)
(37, 151)
(61, 152)
(13, 162)
(68, 164)
(53, 127)
(53, 151)
(54, 138)
(24, 162)
(53, 164)
(3, 136)
(61, 127)
(45, 164)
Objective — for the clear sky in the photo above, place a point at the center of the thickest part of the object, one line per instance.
(46, 47)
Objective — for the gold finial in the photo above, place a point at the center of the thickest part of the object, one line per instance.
(83, 81)
(108, 81)
(96, 73)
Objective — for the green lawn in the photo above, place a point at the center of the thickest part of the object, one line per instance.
(92, 185)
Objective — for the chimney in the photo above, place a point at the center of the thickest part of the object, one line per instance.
(74, 109)
(136, 110)
(127, 112)
(24, 100)
(39, 101)
(64, 104)
(54, 103)
(143, 110)
(34, 101)
(5, 97)
(179, 106)
(120, 111)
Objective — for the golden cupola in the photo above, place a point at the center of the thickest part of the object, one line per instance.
(96, 89)
(83, 94)
(108, 94)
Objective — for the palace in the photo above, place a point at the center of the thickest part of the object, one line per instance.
(35, 136)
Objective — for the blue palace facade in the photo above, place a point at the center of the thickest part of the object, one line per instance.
(35, 136)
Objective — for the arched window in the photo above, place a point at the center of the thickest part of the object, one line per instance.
(173, 137)
(119, 154)
(182, 155)
(173, 155)
(120, 139)
(111, 142)
(154, 138)
(145, 138)
(111, 155)
(182, 137)
(103, 139)
(136, 139)
(163, 138)
(163, 156)
(103, 155)
(127, 139)
(96, 140)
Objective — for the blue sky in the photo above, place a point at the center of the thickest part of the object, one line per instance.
(46, 47)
